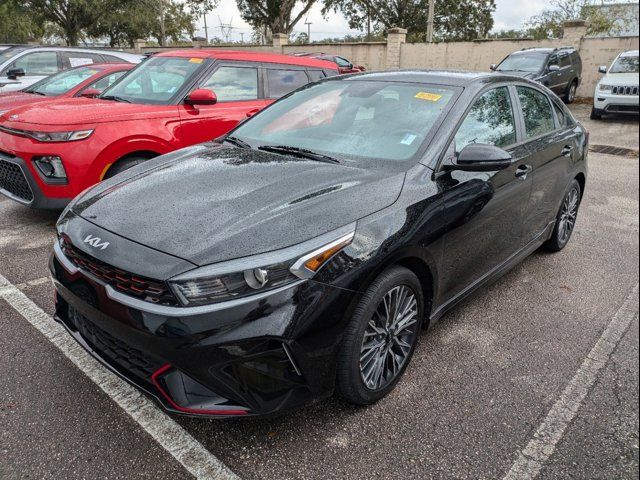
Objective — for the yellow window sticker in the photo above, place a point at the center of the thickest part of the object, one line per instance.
(432, 97)
(196, 60)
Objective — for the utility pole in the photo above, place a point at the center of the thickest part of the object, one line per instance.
(432, 8)
(206, 29)
(241, 37)
(308, 24)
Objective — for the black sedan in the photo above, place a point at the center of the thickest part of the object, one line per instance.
(303, 253)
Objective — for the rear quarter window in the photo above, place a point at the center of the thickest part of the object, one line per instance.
(282, 81)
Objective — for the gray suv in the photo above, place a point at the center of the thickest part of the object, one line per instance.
(559, 69)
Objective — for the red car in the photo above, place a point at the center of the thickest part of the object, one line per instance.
(51, 151)
(87, 81)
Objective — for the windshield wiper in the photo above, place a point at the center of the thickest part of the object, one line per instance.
(237, 142)
(116, 98)
(35, 92)
(301, 152)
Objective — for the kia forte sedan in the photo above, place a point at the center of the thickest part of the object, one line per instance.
(302, 253)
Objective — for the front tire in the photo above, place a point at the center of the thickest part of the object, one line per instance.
(381, 336)
(566, 218)
(124, 164)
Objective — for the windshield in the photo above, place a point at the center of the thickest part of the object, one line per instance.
(351, 119)
(625, 65)
(11, 52)
(62, 82)
(156, 81)
(523, 63)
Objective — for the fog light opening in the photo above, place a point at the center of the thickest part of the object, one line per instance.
(51, 167)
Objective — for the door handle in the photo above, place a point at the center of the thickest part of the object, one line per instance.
(566, 151)
(523, 170)
(251, 113)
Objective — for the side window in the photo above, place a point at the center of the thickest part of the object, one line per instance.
(562, 119)
(112, 59)
(78, 59)
(536, 110)
(107, 81)
(38, 63)
(565, 60)
(489, 121)
(316, 75)
(553, 60)
(282, 82)
(234, 83)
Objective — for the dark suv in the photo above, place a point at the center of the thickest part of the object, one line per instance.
(559, 69)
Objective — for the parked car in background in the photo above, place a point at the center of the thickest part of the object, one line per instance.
(344, 65)
(559, 69)
(88, 81)
(294, 259)
(51, 151)
(617, 91)
(24, 65)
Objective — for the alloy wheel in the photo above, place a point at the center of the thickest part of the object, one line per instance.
(572, 92)
(568, 215)
(389, 337)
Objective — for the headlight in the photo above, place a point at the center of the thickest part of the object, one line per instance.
(605, 88)
(60, 136)
(49, 136)
(259, 273)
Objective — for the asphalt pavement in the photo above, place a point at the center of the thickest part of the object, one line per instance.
(481, 384)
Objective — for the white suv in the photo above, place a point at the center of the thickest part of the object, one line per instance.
(617, 91)
(23, 65)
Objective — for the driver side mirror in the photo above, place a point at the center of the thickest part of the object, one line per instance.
(201, 96)
(14, 73)
(493, 67)
(479, 157)
(554, 68)
(90, 93)
(602, 69)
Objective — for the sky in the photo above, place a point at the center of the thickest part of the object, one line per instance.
(508, 14)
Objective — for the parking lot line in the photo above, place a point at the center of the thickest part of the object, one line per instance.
(547, 436)
(196, 459)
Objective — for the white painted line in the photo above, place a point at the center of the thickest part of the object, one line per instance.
(164, 430)
(33, 283)
(534, 456)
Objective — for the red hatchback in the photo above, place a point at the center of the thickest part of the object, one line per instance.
(87, 81)
(52, 151)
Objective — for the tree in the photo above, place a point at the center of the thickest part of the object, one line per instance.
(73, 17)
(454, 19)
(173, 21)
(549, 22)
(17, 25)
(273, 16)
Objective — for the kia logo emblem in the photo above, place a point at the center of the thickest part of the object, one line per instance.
(96, 242)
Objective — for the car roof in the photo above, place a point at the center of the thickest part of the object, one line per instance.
(249, 57)
(457, 78)
(630, 53)
(117, 53)
(107, 67)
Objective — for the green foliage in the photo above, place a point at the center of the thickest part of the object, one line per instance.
(549, 23)
(273, 16)
(454, 19)
(17, 25)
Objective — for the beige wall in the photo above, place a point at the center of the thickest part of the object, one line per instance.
(477, 55)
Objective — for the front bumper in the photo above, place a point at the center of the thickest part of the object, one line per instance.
(258, 358)
(612, 103)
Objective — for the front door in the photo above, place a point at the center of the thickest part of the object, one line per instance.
(239, 96)
(484, 210)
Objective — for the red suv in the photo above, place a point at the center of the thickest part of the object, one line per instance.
(51, 151)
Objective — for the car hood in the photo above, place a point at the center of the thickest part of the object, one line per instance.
(9, 101)
(620, 79)
(211, 203)
(83, 111)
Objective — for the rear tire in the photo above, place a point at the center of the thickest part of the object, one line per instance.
(596, 114)
(124, 164)
(566, 218)
(570, 94)
(381, 336)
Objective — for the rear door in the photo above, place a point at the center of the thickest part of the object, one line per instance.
(484, 210)
(240, 94)
(552, 142)
(556, 82)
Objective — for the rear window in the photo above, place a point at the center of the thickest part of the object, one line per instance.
(282, 82)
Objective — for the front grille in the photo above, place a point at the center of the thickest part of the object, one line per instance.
(12, 180)
(622, 108)
(112, 350)
(621, 90)
(146, 289)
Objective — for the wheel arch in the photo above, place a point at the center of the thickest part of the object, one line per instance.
(582, 180)
(147, 154)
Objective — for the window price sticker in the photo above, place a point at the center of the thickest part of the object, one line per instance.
(432, 97)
